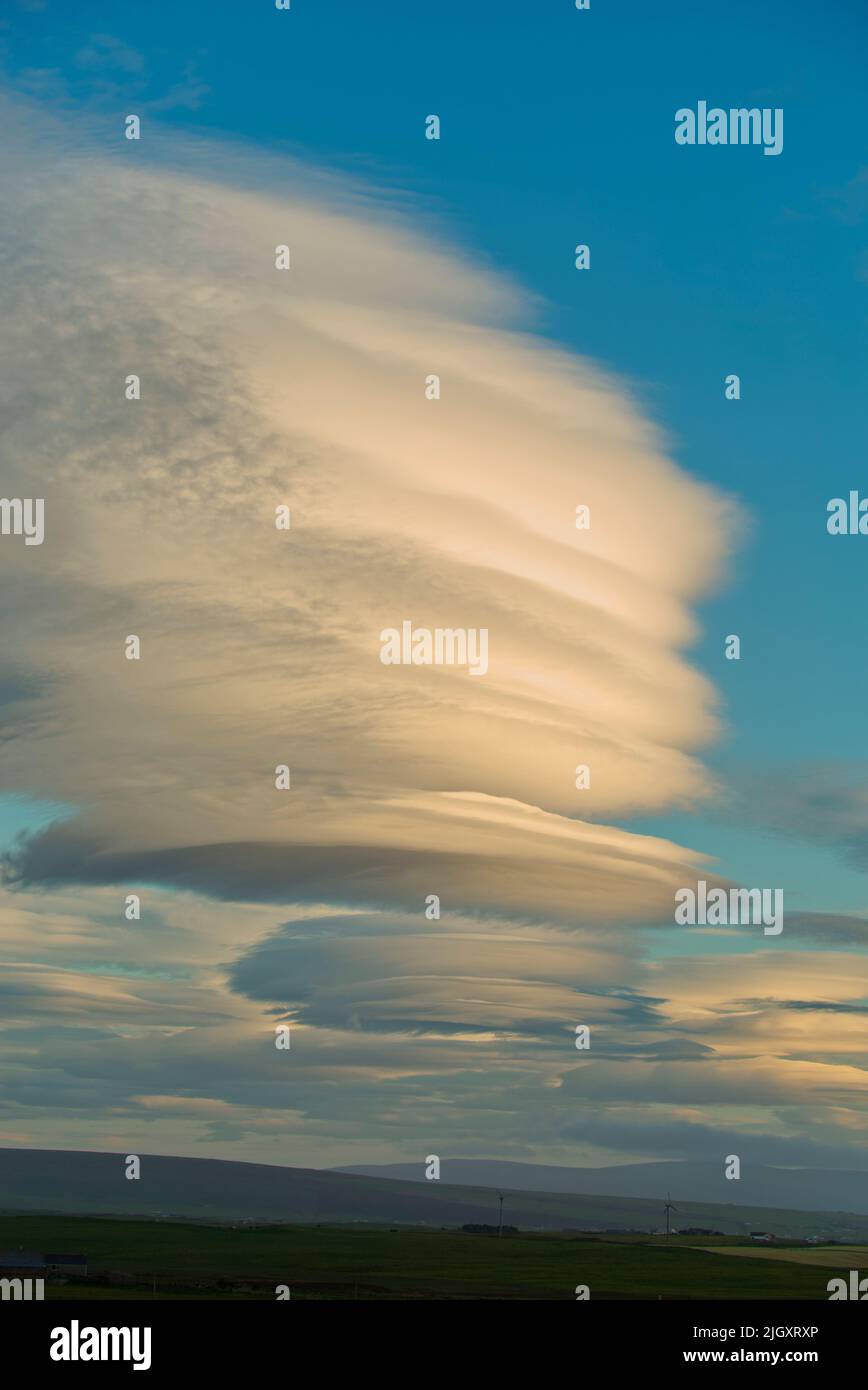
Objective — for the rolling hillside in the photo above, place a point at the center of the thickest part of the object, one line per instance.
(212, 1190)
(808, 1189)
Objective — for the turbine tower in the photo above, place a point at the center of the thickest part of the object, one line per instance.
(668, 1208)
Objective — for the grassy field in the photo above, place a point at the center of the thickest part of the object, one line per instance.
(170, 1260)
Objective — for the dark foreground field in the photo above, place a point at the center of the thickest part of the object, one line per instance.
(145, 1259)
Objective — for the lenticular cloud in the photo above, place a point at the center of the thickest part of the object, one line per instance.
(305, 388)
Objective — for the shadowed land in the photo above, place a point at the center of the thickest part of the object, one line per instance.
(147, 1259)
(184, 1189)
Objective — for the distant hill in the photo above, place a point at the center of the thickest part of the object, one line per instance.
(807, 1189)
(212, 1190)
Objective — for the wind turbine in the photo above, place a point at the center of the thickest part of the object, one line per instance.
(668, 1208)
(500, 1197)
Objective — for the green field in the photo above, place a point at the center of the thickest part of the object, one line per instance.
(145, 1259)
